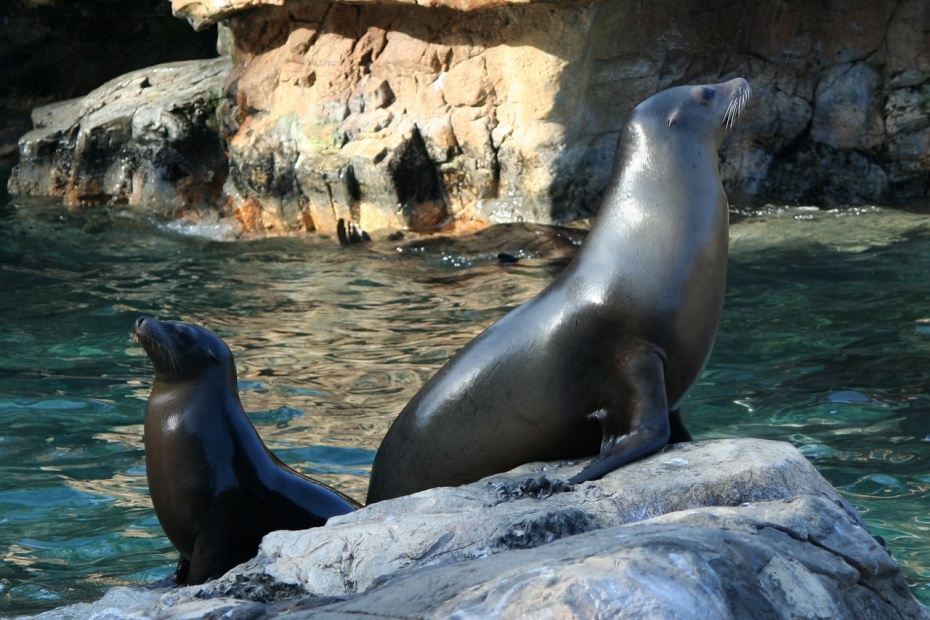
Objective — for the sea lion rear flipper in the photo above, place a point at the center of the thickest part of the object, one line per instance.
(217, 549)
(642, 426)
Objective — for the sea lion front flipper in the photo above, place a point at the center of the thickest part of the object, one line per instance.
(679, 432)
(642, 426)
(182, 572)
(213, 555)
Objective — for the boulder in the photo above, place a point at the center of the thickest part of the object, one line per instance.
(795, 558)
(716, 529)
(51, 50)
(147, 137)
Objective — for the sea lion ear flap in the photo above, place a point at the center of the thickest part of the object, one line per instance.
(673, 118)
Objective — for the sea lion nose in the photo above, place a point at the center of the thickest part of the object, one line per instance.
(140, 323)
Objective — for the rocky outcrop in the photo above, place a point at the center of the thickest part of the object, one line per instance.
(449, 114)
(53, 50)
(437, 114)
(717, 529)
(57, 49)
(399, 116)
(148, 137)
(204, 14)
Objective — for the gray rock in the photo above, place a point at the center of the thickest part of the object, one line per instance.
(148, 137)
(442, 525)
(717, 529)
(798, 558)
(848, 110)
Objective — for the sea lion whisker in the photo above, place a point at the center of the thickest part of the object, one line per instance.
(161, 349)
(736, 105)
(169, 357)
(165, 352)
(145, 357)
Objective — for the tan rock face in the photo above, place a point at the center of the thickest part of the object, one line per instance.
(396, 116)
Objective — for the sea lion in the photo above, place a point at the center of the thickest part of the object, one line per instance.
(216, 488)
(599, 361)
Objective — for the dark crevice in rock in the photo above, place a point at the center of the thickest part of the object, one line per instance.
(441, 542)
(419, 191)
(255, 611)
(304, 604)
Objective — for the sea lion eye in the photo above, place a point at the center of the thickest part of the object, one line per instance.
(185, 337)
(708, 94)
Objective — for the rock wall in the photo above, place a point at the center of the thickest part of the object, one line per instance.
(402, 116)
(449, 114)
(423, 116)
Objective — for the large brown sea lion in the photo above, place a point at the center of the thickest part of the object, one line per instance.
(216, 488)
(599, 361)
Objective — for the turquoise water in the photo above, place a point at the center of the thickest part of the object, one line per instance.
(827, 348)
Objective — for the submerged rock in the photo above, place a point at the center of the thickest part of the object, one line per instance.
(838, 230)
(716, 529)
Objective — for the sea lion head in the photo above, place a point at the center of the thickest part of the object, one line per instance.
(706, 111)
(182, 351)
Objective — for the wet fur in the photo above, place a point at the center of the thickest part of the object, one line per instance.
(599, 361)
(216, 489)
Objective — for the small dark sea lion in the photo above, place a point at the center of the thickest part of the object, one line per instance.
(216, 488)
(599, 362)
